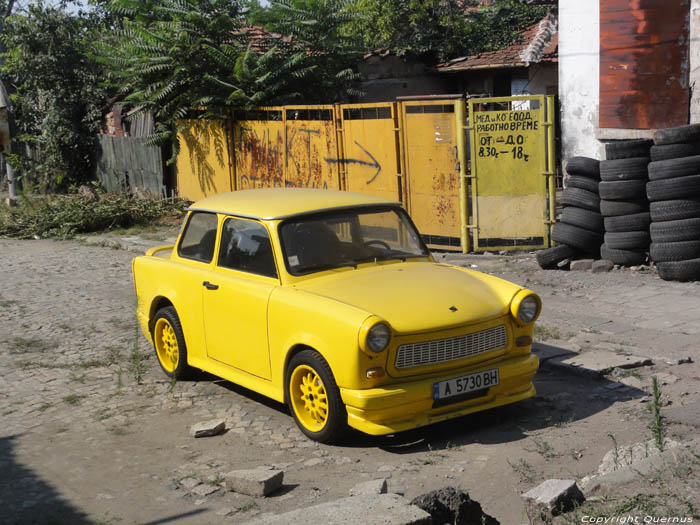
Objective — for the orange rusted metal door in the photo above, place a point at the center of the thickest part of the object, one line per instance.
(259, 148)
(311, 150)
(203, 166)
(371, 159)
(432, 170)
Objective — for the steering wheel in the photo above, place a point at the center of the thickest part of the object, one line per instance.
(377, 242)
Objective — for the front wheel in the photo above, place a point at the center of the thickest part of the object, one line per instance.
(314, 398)
(170, 344)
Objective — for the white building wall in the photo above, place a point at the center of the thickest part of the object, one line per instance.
(579, 70)
(694, 72)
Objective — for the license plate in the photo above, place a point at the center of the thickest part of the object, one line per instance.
(465, 384)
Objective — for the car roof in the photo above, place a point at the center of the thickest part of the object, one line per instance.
(278, 203)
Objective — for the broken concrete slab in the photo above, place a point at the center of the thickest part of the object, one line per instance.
(376, 509)
(679, 455)
(374, 486)
(257, 482)
(450, 505)
(688, 414)
(624, 456)
(551, 498)
(209, 428)
(595, 363)
(602, 266)
(581, 265)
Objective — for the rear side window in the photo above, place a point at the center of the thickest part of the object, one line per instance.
(199, 238)
(245, 246)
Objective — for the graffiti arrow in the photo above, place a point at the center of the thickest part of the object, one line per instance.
(373, 164)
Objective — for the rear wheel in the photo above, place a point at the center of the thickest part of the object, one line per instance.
(170, 344)
(313, 397)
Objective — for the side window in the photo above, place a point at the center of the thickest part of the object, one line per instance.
(200, 235)
(245, 246)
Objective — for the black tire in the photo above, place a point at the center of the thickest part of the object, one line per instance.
(628, 223)
(580, 199)
(576, 237)
(676, 188)
(689, 133)
(584, 166)
(178, 369)
(626, 149)
(550, 257)
(335, 424)
(674, 251)
(586, 219)
(616, 208)
(624, 169)
(674, 210)
(673, 151)
(622, 190)
(674, 231)
(584, 183)
(638, 240)
(623, 257)
(688, 270)
(671, 168)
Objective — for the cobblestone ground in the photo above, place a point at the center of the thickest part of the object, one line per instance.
(93, 432)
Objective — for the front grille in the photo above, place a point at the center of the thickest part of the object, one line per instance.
(442, 350)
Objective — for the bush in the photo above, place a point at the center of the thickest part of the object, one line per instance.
(65, 216)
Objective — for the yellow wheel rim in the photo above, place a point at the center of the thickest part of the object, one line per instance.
(309, 399)
(166, 345)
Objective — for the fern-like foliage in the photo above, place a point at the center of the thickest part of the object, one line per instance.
(184, 59)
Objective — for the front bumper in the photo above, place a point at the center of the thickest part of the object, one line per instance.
(409, 404)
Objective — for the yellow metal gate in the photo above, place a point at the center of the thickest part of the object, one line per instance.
(370, 154)
(430, 135)
(413, 151)
(512, 179)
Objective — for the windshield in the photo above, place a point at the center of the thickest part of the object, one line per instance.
(348, 237)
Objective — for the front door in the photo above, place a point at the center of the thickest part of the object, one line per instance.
(236, 294)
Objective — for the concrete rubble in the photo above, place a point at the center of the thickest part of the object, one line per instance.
(374, 486)
(210, 428)
(375, 509)
(257, 482)
(553, 497)
(453, 506)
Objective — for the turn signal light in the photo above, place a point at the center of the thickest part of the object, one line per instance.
(523, 340)
(375, 373)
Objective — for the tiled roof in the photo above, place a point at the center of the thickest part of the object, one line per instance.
(261, 40)
(539, 44)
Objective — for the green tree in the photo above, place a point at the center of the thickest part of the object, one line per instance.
(55, 86)
(322, 29)
(438, 30)
(183, 59)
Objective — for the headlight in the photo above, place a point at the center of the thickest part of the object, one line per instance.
(528, 309)
(374, 336)
(378, 337)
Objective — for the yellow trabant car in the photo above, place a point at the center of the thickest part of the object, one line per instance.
(329, 301)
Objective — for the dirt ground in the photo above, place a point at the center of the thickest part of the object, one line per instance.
(92, 432)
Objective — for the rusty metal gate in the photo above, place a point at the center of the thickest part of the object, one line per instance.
(512, 177)
(413, 151)
(430, 134)
(290, 147)
(370, 153)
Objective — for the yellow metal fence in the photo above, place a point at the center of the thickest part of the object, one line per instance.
(476, 179)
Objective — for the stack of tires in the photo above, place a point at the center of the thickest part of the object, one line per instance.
(623, 202)
(580, 228)
(674, 193)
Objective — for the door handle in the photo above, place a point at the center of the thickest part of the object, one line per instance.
(210, 286)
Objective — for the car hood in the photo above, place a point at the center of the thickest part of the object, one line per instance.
(418, 297)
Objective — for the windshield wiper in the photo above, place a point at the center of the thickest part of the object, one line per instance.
(327, 266)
